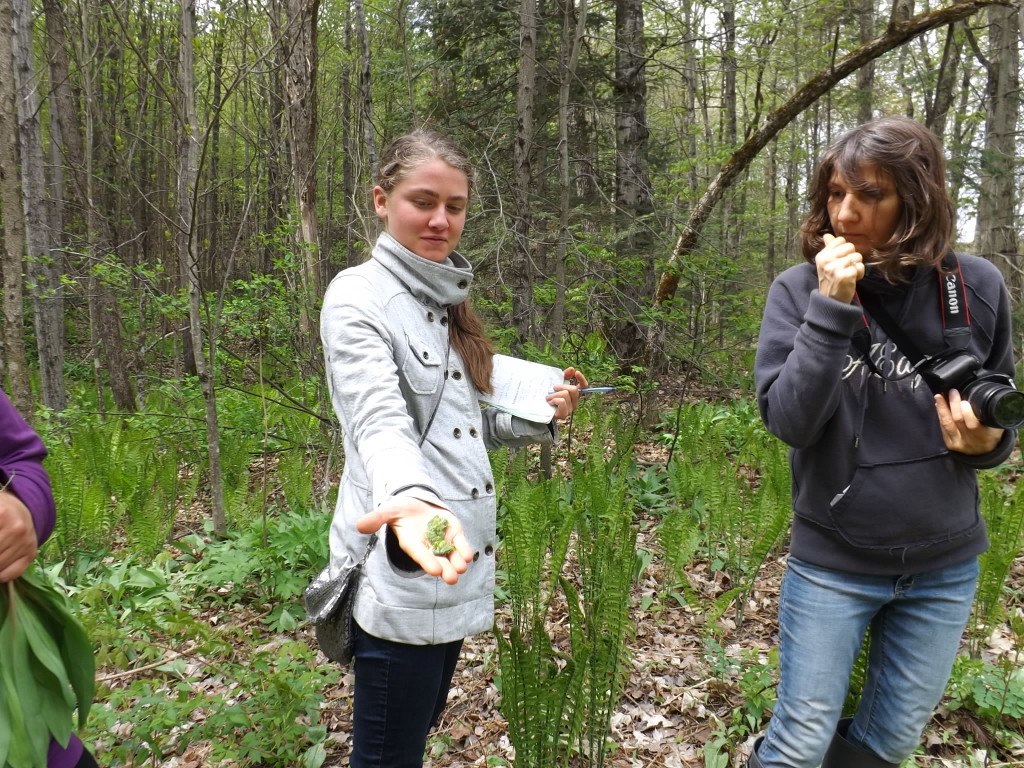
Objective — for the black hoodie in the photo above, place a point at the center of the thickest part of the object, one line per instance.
(875, 491)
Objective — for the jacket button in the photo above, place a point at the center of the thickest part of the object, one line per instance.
(444, 321)
(426, 355)
(475, 493)
(430, 317)
(472, 432)
(457, 375)
(463, 283)
(457, 432)
(488, 550)
(446, 374)
(476, 556)
(489, 488)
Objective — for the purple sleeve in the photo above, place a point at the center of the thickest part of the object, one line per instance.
(65, 757)
(21, 468)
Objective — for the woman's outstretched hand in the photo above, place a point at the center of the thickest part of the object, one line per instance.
(409, 518)
(566, 397)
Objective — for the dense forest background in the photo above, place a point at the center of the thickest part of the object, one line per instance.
(180, 180)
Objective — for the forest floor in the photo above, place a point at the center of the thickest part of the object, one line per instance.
(678, 697)
(681, 692)
(675, 700)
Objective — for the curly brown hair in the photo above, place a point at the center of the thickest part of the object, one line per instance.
(912, 157)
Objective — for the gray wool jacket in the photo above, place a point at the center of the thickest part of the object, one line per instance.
(384, 329)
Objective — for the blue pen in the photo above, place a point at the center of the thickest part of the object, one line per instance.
(596, 390)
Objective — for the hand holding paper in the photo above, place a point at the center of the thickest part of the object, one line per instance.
(533, 391)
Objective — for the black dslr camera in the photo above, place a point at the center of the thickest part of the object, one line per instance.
(992, 395)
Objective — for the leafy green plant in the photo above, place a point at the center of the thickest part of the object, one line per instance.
(559, 689)
(212, 688)
(748, 679)
(992, 690)
(730, 482)
(119, 475)
(46, 669)
(1002, 505)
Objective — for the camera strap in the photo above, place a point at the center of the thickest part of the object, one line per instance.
(956, 317)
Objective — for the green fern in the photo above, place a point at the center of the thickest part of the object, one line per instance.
(558, 693)
(1003, 508)
(731, 498)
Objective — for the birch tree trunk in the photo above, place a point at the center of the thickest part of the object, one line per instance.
(17, 387)
(44, 260)
(186, 235)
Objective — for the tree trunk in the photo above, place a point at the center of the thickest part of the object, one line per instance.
(348, 140)
(939, 101)
(300, 87)
(572, 39)
(277, 150)
(16, 369)
(633, 197)
(96, 238)
(188, 176)
(866, 74)
(365, 87)
(997, 225)
(44, 260)
(522, 151)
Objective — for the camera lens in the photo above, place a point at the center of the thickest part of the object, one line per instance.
(996, 404)
(1008, 409)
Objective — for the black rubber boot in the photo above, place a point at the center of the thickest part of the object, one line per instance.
(842, 754)
(754, 761)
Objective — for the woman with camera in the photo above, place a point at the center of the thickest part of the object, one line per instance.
(886, 530)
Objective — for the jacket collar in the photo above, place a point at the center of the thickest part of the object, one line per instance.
(443, 284)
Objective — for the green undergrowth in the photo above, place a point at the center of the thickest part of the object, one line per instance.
(201, 647)
(201, 643)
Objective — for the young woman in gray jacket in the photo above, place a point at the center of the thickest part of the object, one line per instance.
(406, 359)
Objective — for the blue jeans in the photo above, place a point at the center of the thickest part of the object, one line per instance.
(400, 692)
(916, 623)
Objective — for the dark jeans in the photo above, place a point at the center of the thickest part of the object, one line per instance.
(400, 692)
(87, 761)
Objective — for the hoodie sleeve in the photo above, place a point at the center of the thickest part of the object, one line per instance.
(21, 468)
(801, 352)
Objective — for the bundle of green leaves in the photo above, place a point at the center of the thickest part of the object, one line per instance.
(46, 670)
